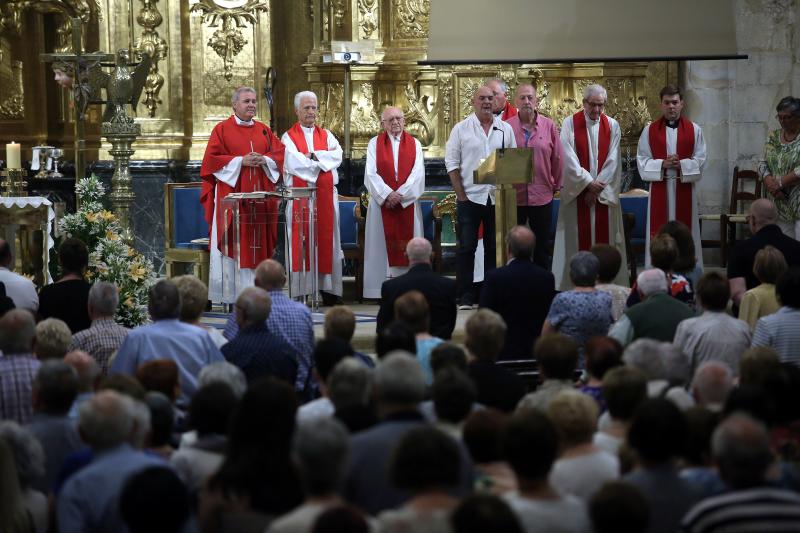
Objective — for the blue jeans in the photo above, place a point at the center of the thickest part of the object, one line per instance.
(469, 216)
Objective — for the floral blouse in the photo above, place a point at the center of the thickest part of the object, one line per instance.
(780, 159)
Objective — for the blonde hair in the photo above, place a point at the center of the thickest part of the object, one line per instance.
(194, 296)
(53, 338)
(575, 416)
(769, 264)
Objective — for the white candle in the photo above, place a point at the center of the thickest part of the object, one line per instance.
(13, 155)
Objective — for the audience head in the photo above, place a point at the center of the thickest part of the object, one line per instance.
(123, 384)
(321, 447)
(224, 372)
(609, 262)
(53, 338)
(448, 354)
(194, 297)
(349, 384)
(418, 251)
(651, 281)
(341, 519)
(657, 432)
(647, 355)
(160, 375)
(484, 513)
(399, 381)
(762, 213)
(86, 367)
(676, 364)
(103, 300)
(252, 307)
(788, 288)
(270, 275)
(106, 420)
(619, 507)
(486, 334)
(530, 443)
(73, 256)
(711, 384)
(601, 354)
(340, 323)
(55, 388)
(264, 420)
(756, 363)
(154, 500)
(575, 417)
(769, 265)
(624, 390)
(395, 336)
(700, 425)
(520, 242)
(453, 394)
(211, 408)
(741, 451)
(164, 301)
(483, 435)
(685, 241)
(29, 456)
(17, 332)
(162, 418)
(499, 89)
(412, 310)
(5, 254)
(713, 291)
(327, 354)
(583, 269)
(557, 355)
(426, 459)
(663, 252)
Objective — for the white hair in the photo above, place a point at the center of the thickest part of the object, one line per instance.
(304, 94)
(595, 89)
(238, 92)
(503, 85)
(651, 281)
(712, 383)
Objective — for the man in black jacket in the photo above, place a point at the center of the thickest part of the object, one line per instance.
(438, 290)
(521, 293)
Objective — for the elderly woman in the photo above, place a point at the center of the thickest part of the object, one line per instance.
(194, 296)
(780, 167)
(762, 300)
(584, 311)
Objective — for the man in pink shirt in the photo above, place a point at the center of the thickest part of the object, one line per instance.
(535, 200)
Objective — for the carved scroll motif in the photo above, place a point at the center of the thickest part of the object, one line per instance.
(339, 10)
(421, 123)
(369, 17)
(151, 43)
(411, 19)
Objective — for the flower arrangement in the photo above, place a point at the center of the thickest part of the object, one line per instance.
(110, 258)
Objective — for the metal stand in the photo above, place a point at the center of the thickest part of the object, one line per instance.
(121, 135)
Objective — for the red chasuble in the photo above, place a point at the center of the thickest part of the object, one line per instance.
(659, 212)
(229, 140)
(508, 111)
(581, 133)
(398, 223)
(324, 205)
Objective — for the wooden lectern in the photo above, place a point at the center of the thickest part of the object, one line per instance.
(504, 168)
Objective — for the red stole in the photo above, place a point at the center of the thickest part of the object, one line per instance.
(508, 111)
(324, 205)
(581, 134)
(659, 212)
(229, 140)
(398, 223)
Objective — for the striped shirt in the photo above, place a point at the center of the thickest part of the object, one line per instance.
(780, 331)
(759, 509)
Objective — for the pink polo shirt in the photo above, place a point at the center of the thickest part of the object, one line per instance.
(548, 160)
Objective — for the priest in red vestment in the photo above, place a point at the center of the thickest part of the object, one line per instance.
(243, 155)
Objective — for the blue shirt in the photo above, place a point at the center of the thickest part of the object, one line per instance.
(89, 500)
(424, 348)
(260, 353)
(189, 346)
(292, 321)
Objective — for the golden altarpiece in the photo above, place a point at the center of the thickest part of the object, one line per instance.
(202, 49)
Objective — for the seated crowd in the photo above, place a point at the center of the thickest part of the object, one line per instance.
(602, 408)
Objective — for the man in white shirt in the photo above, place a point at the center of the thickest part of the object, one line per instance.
(671, 155)
(312, 156)
(19, 288)
(395, 179)
(471, 140)
(591, 182)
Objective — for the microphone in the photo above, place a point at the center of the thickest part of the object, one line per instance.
(503, 145)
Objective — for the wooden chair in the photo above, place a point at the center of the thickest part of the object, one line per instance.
(186, 230)
(351, 234)
(740, 201)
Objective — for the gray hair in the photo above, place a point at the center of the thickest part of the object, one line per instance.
(399, 379)
(583, 268)
(28, 452)
(17, 331)
(321, 447)
(419, 250)
(595, 89)
(56, 384)
(651, 281)
(223, 372)
(238, 92)
(791, 103)
(255, 304)
(503, 85)
(53, 338)
(676, 363)
(647, 355)
(107, 419)
(349, 384)
(304, 94)
(741, 447)
(712, 383)
(104, 298)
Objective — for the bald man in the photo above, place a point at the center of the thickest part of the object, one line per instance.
(395, 179)
(439, 291)
(763, 221)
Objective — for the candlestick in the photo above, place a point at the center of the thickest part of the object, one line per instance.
(13, 159)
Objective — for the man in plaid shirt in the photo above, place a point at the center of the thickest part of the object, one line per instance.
(105, 336)
(289, 319)
(18, 365)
